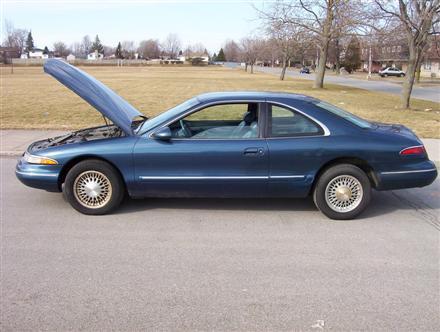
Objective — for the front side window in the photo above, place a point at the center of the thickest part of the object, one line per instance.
(222, 121)
(285, 122)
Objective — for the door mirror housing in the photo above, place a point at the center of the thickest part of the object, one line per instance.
(163, 134)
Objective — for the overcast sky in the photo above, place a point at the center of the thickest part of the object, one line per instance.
(207, 22)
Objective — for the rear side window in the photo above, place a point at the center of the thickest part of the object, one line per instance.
(285, 122)
(344, 114)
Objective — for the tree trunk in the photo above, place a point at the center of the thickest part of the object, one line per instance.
(319, 76)
(252, 68)
(245, 66)
(419, 68)
(410, 76)
(283, 70)
(337, 57)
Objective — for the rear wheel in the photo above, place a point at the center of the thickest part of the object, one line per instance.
(94, 187)
(342, 192)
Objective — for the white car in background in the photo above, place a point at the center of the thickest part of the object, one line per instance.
(391, 71)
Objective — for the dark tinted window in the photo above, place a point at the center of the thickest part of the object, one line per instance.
(284, 122)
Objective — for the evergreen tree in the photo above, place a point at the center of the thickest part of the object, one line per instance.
(97, 46)
(46, 50)
(353, 55)
(29, 42)
(214, 57)
(221, 55)
(118, 52)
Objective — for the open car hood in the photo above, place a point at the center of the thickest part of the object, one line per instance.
(105, 100)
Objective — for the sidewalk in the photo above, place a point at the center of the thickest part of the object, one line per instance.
(15, 142)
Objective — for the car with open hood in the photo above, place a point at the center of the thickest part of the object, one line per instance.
(224, 144)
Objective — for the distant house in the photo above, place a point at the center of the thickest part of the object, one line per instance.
(37, 53)
(395, 53)
(203, 56)
(95, 56)
(70, 58)
(431, 60)
(8, 53)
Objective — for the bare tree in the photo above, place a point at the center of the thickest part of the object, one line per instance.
(418, 19)
(251, 48)
(149, 49)
(196, 49)
(108, 50)
(77, 49)
(287, 38)
(172, 45)
(86, 45)
(60, 49)
(14, 37)
(128, 49)
(319, 17)
(231, 50)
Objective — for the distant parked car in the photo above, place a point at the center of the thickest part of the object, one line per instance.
(224, 144)
(304, 70)
(390, 71)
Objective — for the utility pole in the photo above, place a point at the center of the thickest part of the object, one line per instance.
(369, 63)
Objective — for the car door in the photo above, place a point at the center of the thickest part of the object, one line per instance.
(213, 152)
(295, 143)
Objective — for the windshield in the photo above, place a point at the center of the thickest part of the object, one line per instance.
(162, 117)
(344, 114)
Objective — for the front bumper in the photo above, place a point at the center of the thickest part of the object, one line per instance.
(419, 175)
(39, 176)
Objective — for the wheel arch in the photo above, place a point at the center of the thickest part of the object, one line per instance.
(356, 161)
(74, 161)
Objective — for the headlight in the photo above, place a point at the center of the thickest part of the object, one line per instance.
(31, 159)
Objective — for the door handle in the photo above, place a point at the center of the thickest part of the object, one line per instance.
(253, 151)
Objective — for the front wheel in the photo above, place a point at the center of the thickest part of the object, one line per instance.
(94, 187)
(342, 192)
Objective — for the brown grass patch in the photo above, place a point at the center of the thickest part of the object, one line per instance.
(34, 100)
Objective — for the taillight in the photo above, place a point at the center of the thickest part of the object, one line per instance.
(413, 150)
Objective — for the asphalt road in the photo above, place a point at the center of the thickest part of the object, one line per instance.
(425, 93)
(195, 264)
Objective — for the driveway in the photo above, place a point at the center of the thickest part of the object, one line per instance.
(425, 93)
(215, 264)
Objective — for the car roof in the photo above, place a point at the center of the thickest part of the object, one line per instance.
(250, 95)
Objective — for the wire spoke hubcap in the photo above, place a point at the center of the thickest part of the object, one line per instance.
(343, 193)
(92, 189)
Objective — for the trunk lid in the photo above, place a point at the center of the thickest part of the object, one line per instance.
(396, 129)
(102, 98)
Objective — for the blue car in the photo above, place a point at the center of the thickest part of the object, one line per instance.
(226, 144)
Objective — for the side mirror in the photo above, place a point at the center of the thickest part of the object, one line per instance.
(163, 134)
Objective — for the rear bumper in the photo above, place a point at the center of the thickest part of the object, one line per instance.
(38, 176)
(423, 175)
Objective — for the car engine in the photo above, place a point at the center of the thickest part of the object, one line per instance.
(83, 135)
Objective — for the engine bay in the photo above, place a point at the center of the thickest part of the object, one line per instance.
(83, 135)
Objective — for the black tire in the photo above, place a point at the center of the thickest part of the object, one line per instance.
(105, 173)
(332, 174)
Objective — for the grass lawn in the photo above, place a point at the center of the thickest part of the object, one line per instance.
(34, 100)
